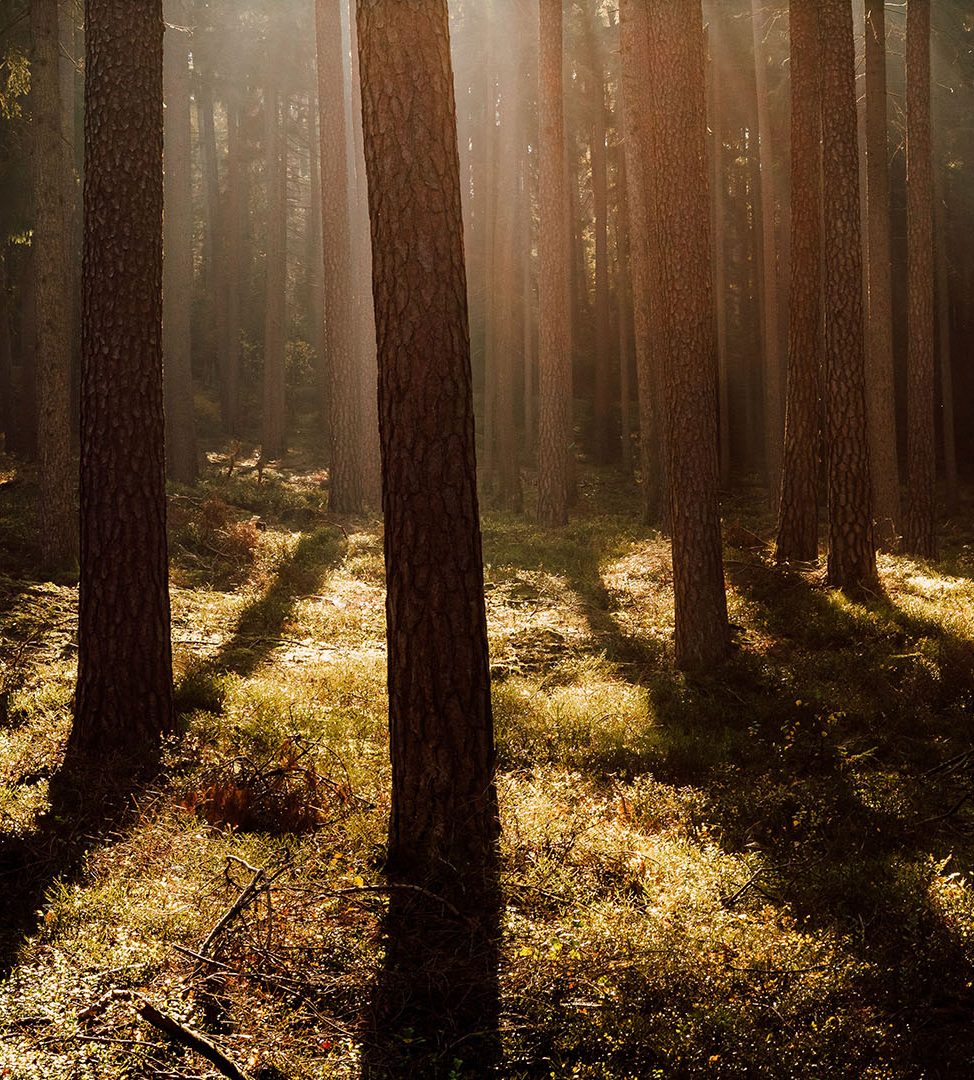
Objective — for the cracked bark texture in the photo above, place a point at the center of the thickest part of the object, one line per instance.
(682, 211)
(880, 384)
(123, 702)
(555, 434)
(852, 554)
(920, 534)
(57, 524)
(798, 509)
(443, 824)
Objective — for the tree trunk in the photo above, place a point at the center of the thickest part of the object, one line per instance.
(177, 277)
(920, 535)
(274, 414)
(6, 359)
(444, 824)
(687, 322)
(555, 437)
(214, 300)
(57, 525)
(123, 702)
(231, 269)
(880, 386)
(798, 511)
(951, 493)
(720, 268)
(852, 554)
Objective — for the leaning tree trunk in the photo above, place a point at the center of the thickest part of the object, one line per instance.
(57, 526)
(124, 695)
(920, 536)
(798, 511)
(688, 331)
(852, 554)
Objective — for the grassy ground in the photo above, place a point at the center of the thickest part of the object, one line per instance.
(764, 873)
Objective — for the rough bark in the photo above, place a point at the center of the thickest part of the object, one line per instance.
(555, 438)
(718, 196)
(880, 386)
(123, 702)
(177, 279)
(852, 554)
(443, 825)
(920, 534)
(797, 537)
(53, 299)
(688, 330)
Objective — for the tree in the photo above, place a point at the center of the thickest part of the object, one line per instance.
(880, 387)
(177, 279)
(798, 511)
(682, 213)
(52, 295)
(554, 278)
(852, 554)
(920, 538)
(275, 298)
(124, 694)
(443, 826)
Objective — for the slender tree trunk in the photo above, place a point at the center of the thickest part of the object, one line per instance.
(951, 492)
(720, 268)
(124, 694)
(231, 269)
(274, 414)
(314, 256)
(529, 320)
(880, 386)
(920, 534)
(6, 359)
(852, 554)
(444, 824)
(554, 279)
(687, 319)
(624, 315)
(177, 278)
(798, 511)
(214, 299)
(52, 297)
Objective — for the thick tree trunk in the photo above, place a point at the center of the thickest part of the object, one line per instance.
(124, 695)
(555, 439)
(687, 321)
(274, 413)
(880, 386)
(444, 824)
(852, 554)
(920, 534)
(798, 511)
(177, 278)
(57, 527)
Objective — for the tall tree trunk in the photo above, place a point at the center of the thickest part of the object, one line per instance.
(123, 703)
(52, 296)
(852, 554)
(554, 279)
(687, 321)
(951, 493)
(231, 268)
(720, 267)
(880, 385)
(770, 308)
(274, 413)
(528, 316)
(798, 511)
(314, 256)
(623, 289)
(444, 824)
(177, 277)
(6, 359)
(214, 299)
(920, 535)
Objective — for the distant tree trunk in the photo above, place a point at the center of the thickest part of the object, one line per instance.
(124, 694)
(6, 358)
(214, 300)
(951, 493)
(880, 386)
(798, 512)
(314, 256)
(554, 279)
(345, 399)
(231, 269)
(529, 319)
(687, 321)
(770, 308)
(177, 277)
(920, 535)
(444, 824)
(720, 268)
(852, 555)
(274, 414)
(57, 526)
(624, 315)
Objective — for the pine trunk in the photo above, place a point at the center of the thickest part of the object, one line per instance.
(274, 412)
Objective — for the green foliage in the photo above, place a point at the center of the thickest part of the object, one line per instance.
(14, 82)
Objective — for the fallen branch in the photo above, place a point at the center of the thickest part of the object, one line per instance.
(249, 891)
(190, 1038)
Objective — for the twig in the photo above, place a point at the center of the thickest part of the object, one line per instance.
(192, 1039)
(246, 895)
(393, 888)
(948, 813)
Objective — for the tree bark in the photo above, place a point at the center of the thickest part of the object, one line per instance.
(718, 196)
(123, 703)
(688, 331)
(920, 534)
(880, 385)
(951, 492)
(797, 537)
(852, 554)
(57, 525)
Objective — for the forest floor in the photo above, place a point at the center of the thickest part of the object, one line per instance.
(764, 873)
